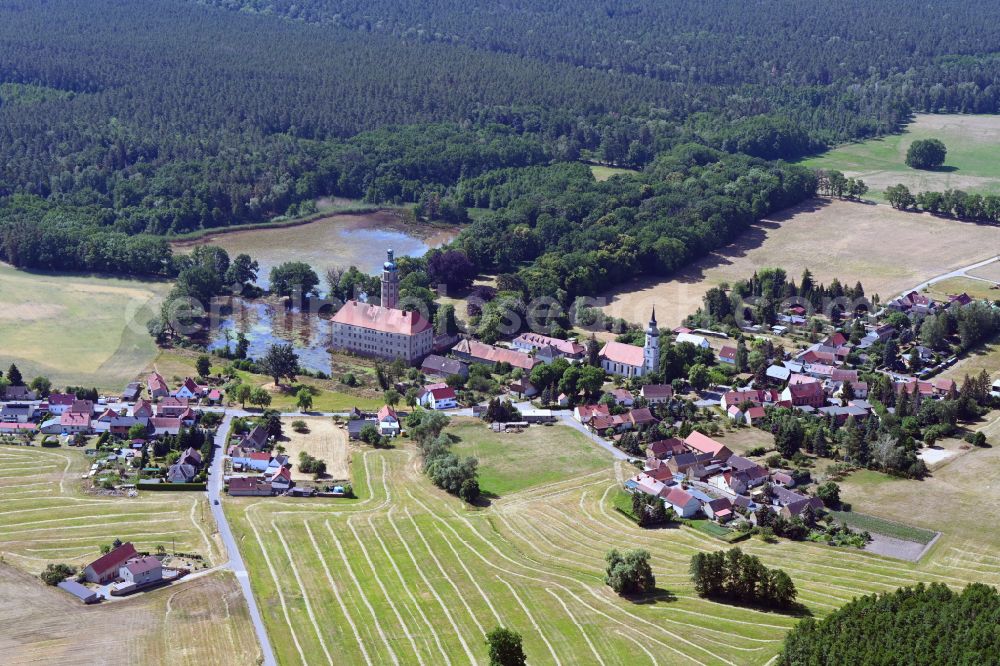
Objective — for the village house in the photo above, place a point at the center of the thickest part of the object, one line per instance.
(727, 355)
(623, 397)
(59, 403)
(644, 483)
(584, 413)
(699, 341)
(18, 394)
(256, 461)
(172, 407)
(753, 396)
(248, 487)
(16, 412)
(156, 386)
(162, 425)
(383, 331)
(437, 396)
(681, 463)
(435, 366)
(181, 473)
(256, 439)
(189, 390)
(754, 415)
(141, 571)
(665, 448)
(657, 394)
(131, 392)
(281, 480)
(700, 443)
(105, 568)
(479, 352)
(547, 348)
(388, 421)
(719, 510)
(522, 388)
(143, 409)
(684, 504)
(800, 394)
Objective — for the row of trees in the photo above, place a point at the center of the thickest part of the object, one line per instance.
(950, 203)
(446, 470)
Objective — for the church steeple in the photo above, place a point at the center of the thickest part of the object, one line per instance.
(651, 350)
(390, 282)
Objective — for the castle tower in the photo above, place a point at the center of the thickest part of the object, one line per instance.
(651, 350)
(390, 283)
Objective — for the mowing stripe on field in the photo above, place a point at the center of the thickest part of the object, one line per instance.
(638, 644)
(531, 618)
(458, 634)
(336, 593)
(583, 633)
(302, 587)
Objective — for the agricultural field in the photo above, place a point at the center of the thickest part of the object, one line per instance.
(76, 329)
(45, 516)
(199, 621)
(408, 574)
(838, 239)
(323, 440)
(509, 462)
(971, 164)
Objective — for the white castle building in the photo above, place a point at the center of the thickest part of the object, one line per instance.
(619, 358)
(383, 330)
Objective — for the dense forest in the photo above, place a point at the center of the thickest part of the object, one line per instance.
(922, 625)
(123, 121)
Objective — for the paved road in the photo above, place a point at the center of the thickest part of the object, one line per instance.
(235, 563)
(959, 272)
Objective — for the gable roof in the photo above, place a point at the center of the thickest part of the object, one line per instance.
(445, 366)
(728, 353)
(567, 347)
(706, 444)
(677, 497)
(387, 412)
(657, 391)
(490, 354)
(641, 416)
(114, 558)
(141, 565)
(619, 352)
(385, 320)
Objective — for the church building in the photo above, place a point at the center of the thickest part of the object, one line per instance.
(383, 331)
(627, 360)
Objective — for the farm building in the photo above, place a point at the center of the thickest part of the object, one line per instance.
(105, 568)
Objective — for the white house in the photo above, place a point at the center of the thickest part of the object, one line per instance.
(683, 503)
(699, 341)
(438, 396)
(141, 570)
(388, 422)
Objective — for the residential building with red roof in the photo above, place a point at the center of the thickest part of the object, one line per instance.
(809, 394)
(105, 568)
(728, 355)
(189, 389)
(683, 503)
(534, 342)
(438, 396)
(388, 421)
(157, 386)
(656, 394)
(583, 413)
(479, 352)
(384, 330)
(700, 443)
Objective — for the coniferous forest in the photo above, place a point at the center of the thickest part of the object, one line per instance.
(123, 122)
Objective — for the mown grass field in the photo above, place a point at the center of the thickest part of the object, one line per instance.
(971, 163)
(46, 517)
(407, 574)
(509, 462)
(602, 173)
(196, 622)
(76, 329)
(833, 239)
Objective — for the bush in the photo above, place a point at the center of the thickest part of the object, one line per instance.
(298, 425)
(57, 573)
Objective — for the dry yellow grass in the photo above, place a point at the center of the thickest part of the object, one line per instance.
(324, 440)
(202, 621)
(887, 250)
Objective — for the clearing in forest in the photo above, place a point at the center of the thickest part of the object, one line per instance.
(971, 165)
(888, 250)
(407, 574)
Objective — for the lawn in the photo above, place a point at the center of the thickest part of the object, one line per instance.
(410, 574)
(976, 288)
(509, 462)
(45, 516)
(323, 440)
(203, 621)
(76, 329)
(984, 357)
(328, 395)
(602, 173)
(971, 164)
(834, 239)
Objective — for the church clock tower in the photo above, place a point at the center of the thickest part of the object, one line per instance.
(651, 350)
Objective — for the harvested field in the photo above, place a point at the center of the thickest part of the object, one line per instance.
(988, 272)
(971, 164)
(407, 574)
(324, 440)
(833, 239)
(199, 621)
(46, 517)
(76, 329)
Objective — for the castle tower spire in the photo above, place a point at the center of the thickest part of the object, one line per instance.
(390, 282)
(651, 350)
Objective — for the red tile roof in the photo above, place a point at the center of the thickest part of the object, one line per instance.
(618, 352)
(74, 419)
(484, 352)
(704, 443)
(563, 346)
(386, 412)
(678, 497)
(385, 320)
(115, 558)
(728, 353)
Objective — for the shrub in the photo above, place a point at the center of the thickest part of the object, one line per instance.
(57, 573)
